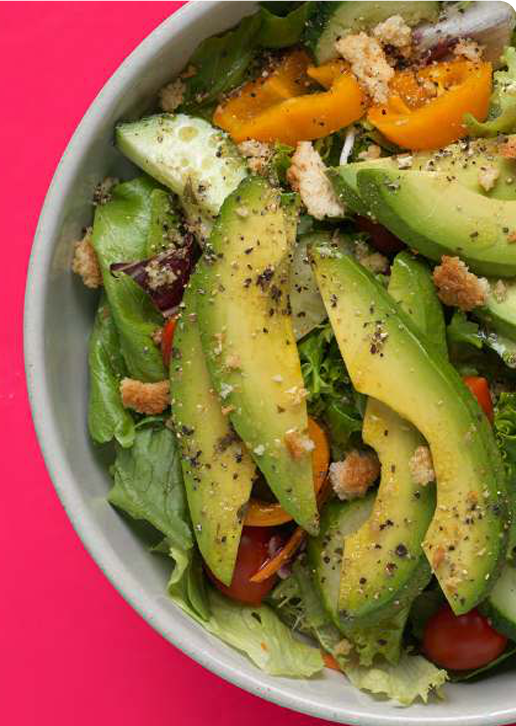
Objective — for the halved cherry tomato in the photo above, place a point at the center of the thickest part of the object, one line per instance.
(381, 239)
(167, 339)
(253, 552)
(479, 387)
(461, 642)
(270, 514)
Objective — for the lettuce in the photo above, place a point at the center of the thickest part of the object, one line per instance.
(412, 678)
(120, 232)
(282, 30)
(502, 112)
(505, 431)
(107, 418)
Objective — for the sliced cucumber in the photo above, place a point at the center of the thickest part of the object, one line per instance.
(189, 156)
(500, 606)
(329, 21)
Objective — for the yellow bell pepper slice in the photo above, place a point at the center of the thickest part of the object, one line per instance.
(426, 108)
(328, 73)
(287, 80)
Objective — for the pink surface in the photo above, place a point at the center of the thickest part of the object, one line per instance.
(71, 650)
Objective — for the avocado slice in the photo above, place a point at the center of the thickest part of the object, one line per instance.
(218, 471)
(388, 545)
(462, 161)
(437, 215)
(329, 21)
(389, 360)
(249, 344)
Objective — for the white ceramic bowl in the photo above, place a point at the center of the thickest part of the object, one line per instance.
(58, 318)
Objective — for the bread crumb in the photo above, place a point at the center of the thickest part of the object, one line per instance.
(157, 336)
(421, 466)
(405, 161)
(469, 49)
(307, 175)
(85, 262)
(375, 262)
(368, 64)
(172, 95)
(508, 148)
(352, 477)
(258, 156)
(372, 153)
(233, 361)
(148, 398)
(457, 286)
(439, 556)
(499, 291)
(226, 410)
(298, 444)
(487, 177)
(343, 648)
(396, 33)
(103, 192)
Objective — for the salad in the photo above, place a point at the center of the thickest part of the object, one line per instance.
(303, 362)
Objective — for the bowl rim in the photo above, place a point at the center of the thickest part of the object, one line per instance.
(40, 402)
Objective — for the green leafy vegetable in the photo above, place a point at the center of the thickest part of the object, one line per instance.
(502, 112)
(280, 7)
(282, 31)
(280, 162)
(221, 63)
(148, 484)
(462, 331)
(107, 418)
(120, 234)
(507, 655)
(426, 604)
(164, 224)
(505, 431)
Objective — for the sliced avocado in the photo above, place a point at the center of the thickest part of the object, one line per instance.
(388, 545)
(249, 344)
(462, 161)
(439, 216)
(218, 471)
(330, 21)
(387, 359)
(308, 309)
(412, 286)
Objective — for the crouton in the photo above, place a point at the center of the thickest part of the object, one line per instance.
(457, 286)
(372, 152)
(487, 177)
(298, 444)
(171, 96)
(368, 64)
(421, 466)
(508, 148)
(375, 262)
(396, 33)
(147, 398)
(257, 154)
(352, 477)
(469, 49)
(307, 175)
(85, 262)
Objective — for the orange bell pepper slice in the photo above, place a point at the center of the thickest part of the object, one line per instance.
(328, 73)
(266, 514)
(479, 387)
(427, 107)
(287, 80)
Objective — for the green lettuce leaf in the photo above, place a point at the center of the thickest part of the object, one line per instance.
(120, 234)
(164, 224)
(412, 678)
(221, 63)
(107, 418)
(502, 112)
(148, 484)
(281, 31)
(462, 331)
(505, 431)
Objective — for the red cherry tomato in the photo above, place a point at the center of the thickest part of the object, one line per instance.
(479, 387)
(167, 339)
(461, 642)
(383, 240)
(254, 550)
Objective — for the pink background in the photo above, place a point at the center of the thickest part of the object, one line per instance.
(71, 650)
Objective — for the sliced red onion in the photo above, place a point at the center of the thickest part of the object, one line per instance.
(489, 22)
(164, 276)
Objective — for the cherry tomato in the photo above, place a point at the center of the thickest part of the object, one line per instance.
(167, 339)
(253, 552)
(461, 642)
(383, 240)
(479, 387)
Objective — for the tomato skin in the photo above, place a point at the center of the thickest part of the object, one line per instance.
(381, 239)
(479, 387)
(461, 642)
(253, 552)
(167, 339)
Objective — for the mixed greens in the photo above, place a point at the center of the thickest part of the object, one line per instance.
(303, 358)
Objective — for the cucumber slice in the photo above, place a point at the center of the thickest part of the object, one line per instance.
(188, 155)
(339, 519)
(500, 606)
(330, 21)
